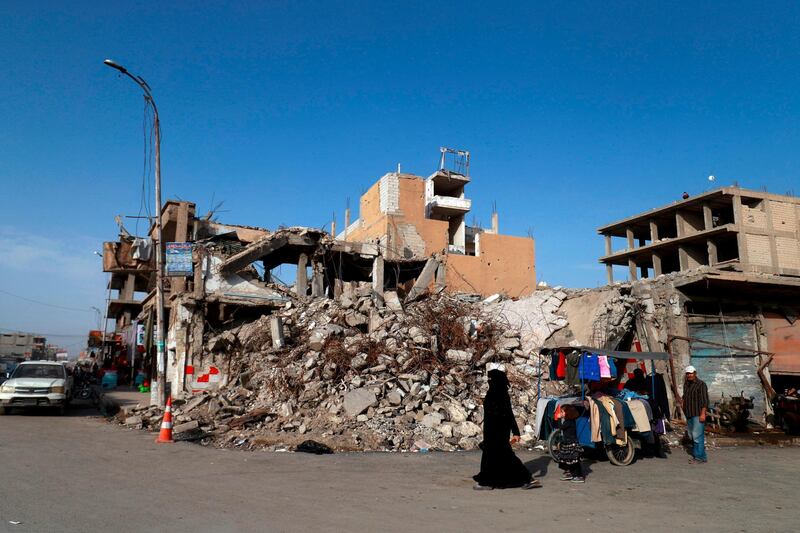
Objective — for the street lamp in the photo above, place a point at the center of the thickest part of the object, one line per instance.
(161, 353)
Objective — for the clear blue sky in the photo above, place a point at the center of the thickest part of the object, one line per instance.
(576, 114)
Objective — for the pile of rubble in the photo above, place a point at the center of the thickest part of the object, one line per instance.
(355, 374)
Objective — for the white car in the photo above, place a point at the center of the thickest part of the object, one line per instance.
(37, 384)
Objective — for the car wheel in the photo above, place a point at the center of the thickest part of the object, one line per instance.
(61, 409)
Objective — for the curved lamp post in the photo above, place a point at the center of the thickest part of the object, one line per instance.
(161, 353)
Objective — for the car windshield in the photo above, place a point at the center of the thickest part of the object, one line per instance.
(39, 371)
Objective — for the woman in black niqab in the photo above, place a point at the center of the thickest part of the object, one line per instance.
(500, 467)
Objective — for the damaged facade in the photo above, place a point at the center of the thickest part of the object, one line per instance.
(720, 276)
(409, 216)
(382, 341)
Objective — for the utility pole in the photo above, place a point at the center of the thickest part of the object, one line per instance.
(161, 354)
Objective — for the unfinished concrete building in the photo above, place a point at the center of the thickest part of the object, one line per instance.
(411, 217)
(732, 228)
(715, 280)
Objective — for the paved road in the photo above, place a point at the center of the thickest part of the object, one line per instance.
(78, 473)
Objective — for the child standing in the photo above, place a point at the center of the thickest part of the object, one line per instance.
(569, 453)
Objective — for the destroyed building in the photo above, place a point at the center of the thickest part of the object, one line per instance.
(378, 346)
(718, 284)
(408, 216)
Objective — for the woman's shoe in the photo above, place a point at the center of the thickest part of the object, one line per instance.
(478, 486)
(533, 484)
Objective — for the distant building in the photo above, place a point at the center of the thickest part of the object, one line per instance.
(19, 345)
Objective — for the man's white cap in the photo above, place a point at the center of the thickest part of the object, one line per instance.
(690, 369)
(495, 366)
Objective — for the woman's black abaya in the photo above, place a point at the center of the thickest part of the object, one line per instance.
(500, 467)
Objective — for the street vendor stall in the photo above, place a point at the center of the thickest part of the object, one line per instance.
(612, 417)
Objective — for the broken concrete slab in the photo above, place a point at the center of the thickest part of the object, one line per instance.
(359, 400)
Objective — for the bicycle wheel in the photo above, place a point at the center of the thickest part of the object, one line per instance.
(554, 444)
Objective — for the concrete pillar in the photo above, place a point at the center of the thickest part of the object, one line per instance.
(657, 271)
(338, 288)
(643, 272)
(378, 280)
(629, 234)
(301, 285)
(712, 252)
(333, 228)
(317, 279)
(679, 224)
(199, 281)
(708, 221)
(495, 224)
(276, 329)
(178, 284)
(129, 288)
(609, 250)
(346, 222)
(632, 269)
(740, 236)
(610, 273)
(683, 258)
(653, 231)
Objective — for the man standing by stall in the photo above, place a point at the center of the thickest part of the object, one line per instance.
(695, 405)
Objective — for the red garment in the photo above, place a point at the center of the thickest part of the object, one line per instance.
(561, 369)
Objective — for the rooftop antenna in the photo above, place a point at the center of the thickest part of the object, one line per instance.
(122, 231)
(460, 160)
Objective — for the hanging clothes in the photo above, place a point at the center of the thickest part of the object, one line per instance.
(619, 412)
(612, 365)
(548, 424)
(659, 395)
(630, 421)
(589, 367)
(553, 366)
(561, 369)
(605, 426)
(541, 407)
(573, 359)
(605, 371)
(639, 413)
(594, 418)
(617, 429)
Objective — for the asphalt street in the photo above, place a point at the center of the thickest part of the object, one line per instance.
(80, 473)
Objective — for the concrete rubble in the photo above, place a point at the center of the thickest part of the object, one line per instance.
(358, 376)
(358, 373)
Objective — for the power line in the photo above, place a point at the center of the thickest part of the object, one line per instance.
(45, 303)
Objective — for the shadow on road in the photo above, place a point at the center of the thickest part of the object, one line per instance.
(538, 467)
(76, 409)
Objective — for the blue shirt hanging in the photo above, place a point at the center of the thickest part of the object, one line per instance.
(589, 369)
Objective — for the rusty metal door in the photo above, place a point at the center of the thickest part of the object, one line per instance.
(726, 371)
(783, 339)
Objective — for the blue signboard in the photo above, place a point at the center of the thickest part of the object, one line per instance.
(179, 259)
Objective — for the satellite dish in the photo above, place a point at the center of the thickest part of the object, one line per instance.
(712, 177)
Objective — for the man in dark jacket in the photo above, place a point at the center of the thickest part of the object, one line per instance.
(695, 405)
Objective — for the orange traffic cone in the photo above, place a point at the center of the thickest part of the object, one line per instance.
(165, 436)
